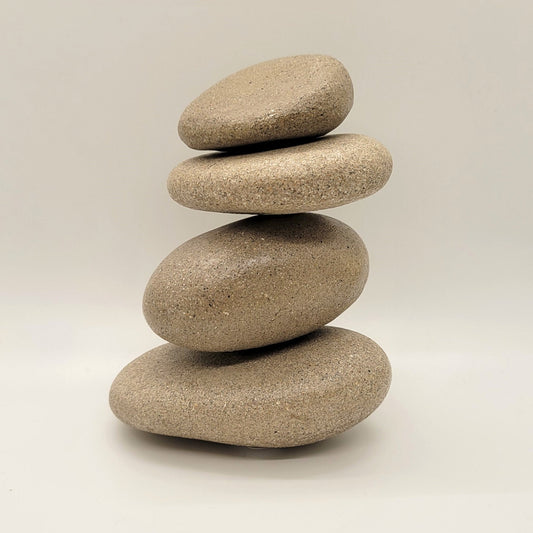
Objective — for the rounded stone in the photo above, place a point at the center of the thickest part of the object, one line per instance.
(290, 394)
(285, 98)
(326, 172)
(257, 281)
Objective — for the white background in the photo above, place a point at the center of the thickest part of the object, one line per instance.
(90, 96)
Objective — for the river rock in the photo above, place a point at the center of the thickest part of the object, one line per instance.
(289, 394)
(327, 172)
(257, 281)
(290, 97)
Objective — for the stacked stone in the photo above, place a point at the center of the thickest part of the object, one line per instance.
(249, 360)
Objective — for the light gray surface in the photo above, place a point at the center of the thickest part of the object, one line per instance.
(91, 95)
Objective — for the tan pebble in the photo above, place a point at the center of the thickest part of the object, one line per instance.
(327, 172)
(290, 394)
(285, 98)
(208, 294)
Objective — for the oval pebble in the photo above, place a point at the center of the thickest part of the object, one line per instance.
(290, 394)
(257, 281)
(327, 172)
(285, 98)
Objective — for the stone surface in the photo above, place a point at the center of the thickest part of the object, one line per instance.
(326, 172)
(290, 394)
(257, 281)
(284, 98)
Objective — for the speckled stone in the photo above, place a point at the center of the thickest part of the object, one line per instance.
(290, 394)
(257, 281)
(327, 172)
(286, 98)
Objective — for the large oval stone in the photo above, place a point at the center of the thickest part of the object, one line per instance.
(327, 172)
(290, 394)
(284, 98)
(257, 281)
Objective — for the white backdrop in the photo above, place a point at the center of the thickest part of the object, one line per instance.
(90, 97)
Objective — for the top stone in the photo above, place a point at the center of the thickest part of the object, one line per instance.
(286, 98)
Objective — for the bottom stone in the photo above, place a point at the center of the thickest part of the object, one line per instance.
(289, 394)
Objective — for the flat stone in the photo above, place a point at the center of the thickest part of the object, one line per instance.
(286, 98)
(290, 394)
(327, 172)
(257, 281)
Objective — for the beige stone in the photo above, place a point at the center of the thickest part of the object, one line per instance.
(290, 394)
(327, 172)
(257, 281)
(284, 98)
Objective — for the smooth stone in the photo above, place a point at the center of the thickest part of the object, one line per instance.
(327, 172)
(285, 98)
(290, 394)
(257, 281)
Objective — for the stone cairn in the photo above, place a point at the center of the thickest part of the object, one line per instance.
(249, 360)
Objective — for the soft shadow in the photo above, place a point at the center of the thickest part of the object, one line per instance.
(317, 143)
(313, 460)
(220, 359)
(301, 228)
(264, 147)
